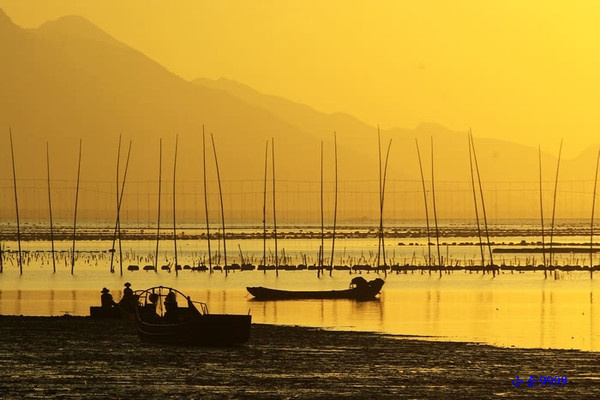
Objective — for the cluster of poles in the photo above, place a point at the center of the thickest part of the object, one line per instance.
(477, 191)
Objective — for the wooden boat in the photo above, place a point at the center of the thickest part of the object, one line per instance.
(159, 319)
(359, 289)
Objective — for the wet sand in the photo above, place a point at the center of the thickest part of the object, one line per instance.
(77, 357)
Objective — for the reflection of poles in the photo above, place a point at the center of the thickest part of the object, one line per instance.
(264, 259)
(222, 211)
(274, 214)
(592, 220)
(554, 201)
(437, 232)
(475, 202)
(425, 201)
(174, 222)
(50, 211)
(75, 214)
(542, 208)
(335, 202)
(12, 153)
(158, 216)
(206, 201)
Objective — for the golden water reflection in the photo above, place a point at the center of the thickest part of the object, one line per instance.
(548, 318)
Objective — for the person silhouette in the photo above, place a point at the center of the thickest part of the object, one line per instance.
(106, 299)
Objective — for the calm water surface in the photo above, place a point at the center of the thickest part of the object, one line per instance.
(511, 309)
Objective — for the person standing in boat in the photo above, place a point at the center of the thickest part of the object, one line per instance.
(171, 307)
(106, 299)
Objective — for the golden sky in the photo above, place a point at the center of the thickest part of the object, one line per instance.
(527, 71)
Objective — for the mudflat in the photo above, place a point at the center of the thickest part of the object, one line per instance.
(78, 357)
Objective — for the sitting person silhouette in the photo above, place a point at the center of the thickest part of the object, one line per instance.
(106, 299)
(128, 301)
(171, 307)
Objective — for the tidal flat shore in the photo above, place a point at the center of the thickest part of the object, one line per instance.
(77, 357)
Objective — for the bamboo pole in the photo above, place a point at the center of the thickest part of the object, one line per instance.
(117, 222)
(12, 153)
(75, 214)
(174, 214)
(320, 270)
(50, 209)
(542, 207)
(426, 207)
(222, 208)
(206, 200)
(554, 201)
(119, 210)
(487, 234)
(159, 197)
(264, 259)
(335, 202)
(381, 205)
(592, 219)
(380, 184)
(475, 202)
(437, 232)
(274, 212)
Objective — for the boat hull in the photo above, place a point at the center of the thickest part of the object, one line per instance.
(203, 330)
(368, 292)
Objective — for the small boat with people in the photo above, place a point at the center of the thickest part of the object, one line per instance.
(160, 319)
(359, 289)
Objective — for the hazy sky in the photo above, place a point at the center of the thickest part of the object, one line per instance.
(527, 71)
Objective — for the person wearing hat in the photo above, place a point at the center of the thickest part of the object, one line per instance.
(106, 299)
(128, 300)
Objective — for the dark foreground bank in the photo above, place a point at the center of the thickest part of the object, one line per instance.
(76, 357)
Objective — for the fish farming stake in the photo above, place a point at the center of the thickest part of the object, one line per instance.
(554, 199)
(12, 153)
(542, 207)
(487, 234)
(159, 196)
(206, 200)
(264, 259)
(593, 208)
(222, 208)
(274, 213)
(475, 201)
(335, 202)
(119, 210)
(174, 219)
(437, 232)
(425, 201)
(320, 270)
(50, 210)
(112, 257)
(75, 214)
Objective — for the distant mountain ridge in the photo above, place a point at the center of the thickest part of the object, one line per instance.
(69, 80)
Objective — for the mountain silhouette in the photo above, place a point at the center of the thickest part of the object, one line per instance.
(69, 80)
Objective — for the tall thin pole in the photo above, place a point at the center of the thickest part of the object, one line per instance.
(274, 213)
(75, 214)
(437, 232)
(222, 208)
(475, 202)
(487, 234)
(117, 222)
(593, 208)
(320, 271)
(542, 207)
(159, 197)
(264, 259)
(380, 184)
(425, 201)
(206, 200)
(381, 205)
(174, 219)
(12, 153)
(50, 209)
(119, 209)
(335, 202)
(554, 201)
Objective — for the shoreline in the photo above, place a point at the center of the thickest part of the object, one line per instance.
(71, 357)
